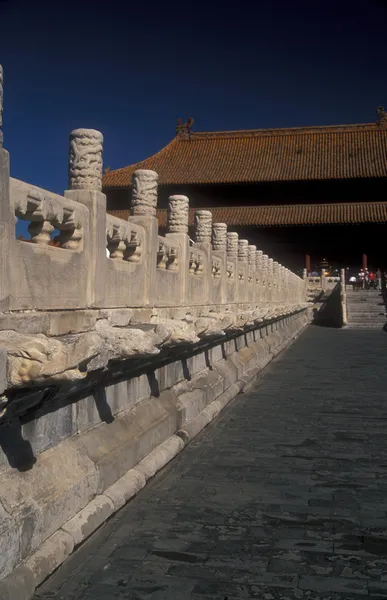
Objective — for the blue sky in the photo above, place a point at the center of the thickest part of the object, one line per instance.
(130, 72)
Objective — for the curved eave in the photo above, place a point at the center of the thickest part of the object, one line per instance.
(290, 215)
(127, 171)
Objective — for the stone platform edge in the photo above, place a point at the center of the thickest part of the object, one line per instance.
(85, 479)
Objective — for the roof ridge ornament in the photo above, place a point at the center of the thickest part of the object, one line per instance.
(183, 130)
(382, 117)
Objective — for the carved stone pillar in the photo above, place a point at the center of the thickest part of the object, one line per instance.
(264, 260)
(219, 236)
(143, 212)
(85, 183)
(7, 221)
(251, 254)
(144, 193)
(270, 279)
(275, 281)
(219, 249)
(202, 237)
(232, 245)
(177, 215)
(243, 251)
(258, 274)
(203, 226)
(232, 266)
(85, 160)
(282, 284)
(177, 228)
(251, 288)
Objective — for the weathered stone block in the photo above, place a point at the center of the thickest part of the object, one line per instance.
(27, 323)
(89, 519)
(19, 585)
(50, 555)
(117, 447)
(227, 371)
(75, 321)
(49, 428)
(10, 533)
(40, 500)
(125, 488)
(119, 317)
(190, 405)
(159, 457)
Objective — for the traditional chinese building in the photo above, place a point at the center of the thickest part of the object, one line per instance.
(318, 191)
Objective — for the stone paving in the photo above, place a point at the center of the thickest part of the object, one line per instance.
(283, 497)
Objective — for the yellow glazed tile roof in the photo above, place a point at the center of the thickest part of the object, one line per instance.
(252, 156)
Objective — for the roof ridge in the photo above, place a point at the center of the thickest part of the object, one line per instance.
(139, 162)
(280, 131)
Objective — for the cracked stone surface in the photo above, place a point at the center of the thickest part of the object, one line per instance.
(283, 497)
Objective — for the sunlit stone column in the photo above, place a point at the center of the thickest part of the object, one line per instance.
(283, 285)
(143, 212)
(203, 226)
(270, 279)
(232, 266)
(203, 237)
(243, 250)
(264, 263)
(258, 274)
(144, 193)
(177, 214)
(7, 220)
(85, 160)
(177, 231)
(85, 184)
(251, 292)
(275, 281)
(219, 237)
(219, 251)
(232, 245)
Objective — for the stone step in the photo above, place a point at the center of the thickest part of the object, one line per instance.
(375, 300)
(366, 322)
(362, 326)
(365, 309)
(379, 310)
(365, 297)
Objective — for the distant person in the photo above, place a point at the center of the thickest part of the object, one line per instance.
(353, 282)
(361, 278)
(378, 279)
(372, 280)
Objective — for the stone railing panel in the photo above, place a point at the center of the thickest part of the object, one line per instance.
(167, 272)
(48, 272)
(198, 273)
(218, 279)
(125, 270)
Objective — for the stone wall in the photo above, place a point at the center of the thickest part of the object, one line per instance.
(70, 463)
(117, 346)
